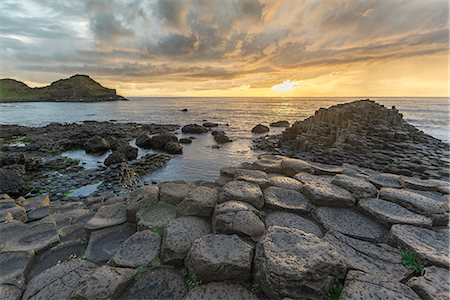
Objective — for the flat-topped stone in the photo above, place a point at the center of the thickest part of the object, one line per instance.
(432, 285)
(107, 216)
(35, 238)
(376, 259)
(58, 282)
(10, 292)
(294, 264)
(387, 180)
(180, 235)
(421, 184)
(200, 201)
(73, 232)
(14, 266)
(389, 213)
(285, 182)
(254, 176)
(242, 191)
(173, 192)
(268, 163)
(141, 197)
(322, 169)
(157, 283)
(350, 223)
(157, 215)
(359, 187)
(321, 192)
(429, 246)
(220, 257)
(362, 286)
(292, 166)
(292, 220)
(220, 290)
(104, 243)
(138, 250)
(238, 217)
(105, 282)
(10, 230)
(281, 198)
(39, 213)
(413, 201)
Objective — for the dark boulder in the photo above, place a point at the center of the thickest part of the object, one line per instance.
(160, 141)
(144, 140)
(185, 141)
(173, 148)
(210, 124)
(96, 145)
(280, 124)
(220, 137)
(13, 180)
(194, 128)
(260, 129)
(184, 110)
(122, 154)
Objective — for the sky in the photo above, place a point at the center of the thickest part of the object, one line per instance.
(304, 48)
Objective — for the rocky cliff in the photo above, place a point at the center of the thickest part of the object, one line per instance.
(78, 88)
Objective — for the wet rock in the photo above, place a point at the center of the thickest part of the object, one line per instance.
(35, 238)
(144, 140)
(96, 145)
(14, 266)
(142, 197)
(242, 191)
(385, 180)
(260, 129)
(359, 187)
(280, 198)
(219, 257)
(157, 215)
(194, 128)
(58, 282)
(138, 250)
(377, 259)
(220, 290)
(10, 292)
(173, 192)
(157, 283)
(321, 192)
(220, 137)
(180, 235)
(433, 285)
(108, 215)
(200, 201)
(254, 176)
(55, 255)
(280, 124)
(292, 166)
(429, 246)
(359, 285)
(294, 264)
(104, 243)
(104, 283)
(210, 124)
(389, 213)
(160, 141)
(122, 154)
(173, 148)
(291, 220)
(285, 182)
(238, 217)
(350, 223)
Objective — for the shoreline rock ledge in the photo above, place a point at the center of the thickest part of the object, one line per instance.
(272, 229)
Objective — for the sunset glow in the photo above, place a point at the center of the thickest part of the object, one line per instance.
(286, 86)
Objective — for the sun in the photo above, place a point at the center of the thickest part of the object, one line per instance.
(286, 86)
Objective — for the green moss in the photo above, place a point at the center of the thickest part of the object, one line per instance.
(335, 292)
(192, 284)
(158, 230)
(81, 257)
(139, 272)
(69, 193)
(256, 288)
(410, 261)
(155, 262)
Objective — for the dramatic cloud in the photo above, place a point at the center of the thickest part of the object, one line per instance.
(175, 47)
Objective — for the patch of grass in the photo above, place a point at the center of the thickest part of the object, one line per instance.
(68, 193)
(81, 257)
(159, 230)
(184, 271)
(410, 261)
(256, 288)
(335, 292)
(192, 284)
(155, 262)
(139, 272)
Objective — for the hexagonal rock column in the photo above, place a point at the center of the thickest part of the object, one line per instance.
(106, 216)
(173, 192)
(198, 202)
(57, 282)
(292, 166)
(14, 266)
(10, 230)
(144, 196)
(268, 163)
(385, 180)
(157, 283)
(433, 285)
(220, 290)
(217, 257)
(157, 215)
(361, 286)
(285, 182)
(104, 283)
(242, 191)
(238, 217)
(138, 250)
(294, 264)
(10, 292)
(361, 188)
(35, 238)
(180, 235)
(254, 176)
(291, 220)
(280, 198)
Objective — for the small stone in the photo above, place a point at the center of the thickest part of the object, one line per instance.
(292, 166)
(254, 176)
(280, 198)
(389, 213)
(433, 285)
(157, 283)
(14, 266)
(285, 182)
(104, 283)
(173, 192)
(107, 216)
(138, 250)
(159, 214)
(429, 246)
(199, 202)
(349, 222)
(220, 257)
(242, 191)
(385, 180)
(144, 196)
(361, 286)
(220, 290)
(359, 187)
(238, 217)
(291, 220)
(180, 235)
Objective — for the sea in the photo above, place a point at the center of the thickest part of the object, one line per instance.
(201, 160)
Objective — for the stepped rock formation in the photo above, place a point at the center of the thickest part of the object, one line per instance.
(369, 135)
